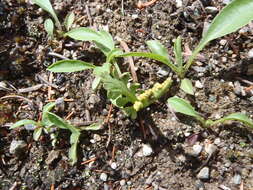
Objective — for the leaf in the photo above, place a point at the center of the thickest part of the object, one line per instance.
(234, 16)
(23, 122)
(154, 56)
(61, 123)
(95, 84)
(92, 127)
(49, 27)
(112, 54)
(236, 117)
(186, 86)
(47, 108)
(74, 139)
(70, 66)
(178, 52)
(46, 6)
(157, 48)
(37, 133)
(69, 20)
(102, 39)
(182, 106)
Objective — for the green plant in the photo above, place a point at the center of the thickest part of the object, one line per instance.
(120, 91)
(48, 24)
(50, 120)
(235, 15)
(182, 106)
(40, 126)
(75, 133)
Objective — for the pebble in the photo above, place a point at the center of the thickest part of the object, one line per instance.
(196, 149)
(237, 179)
(17, 147)
(210, 148)
(146, 150)
(30, 127)
(103, 177)
(198, 84)
(179, 3)
(226, 2)
(114, 165)
(223, 187)
(122, 182)
(223, 42)
(162, 72)
(199, 185)
(203, 173)
(211, 10)
(217, 141)
(52, 156)
(250, 53)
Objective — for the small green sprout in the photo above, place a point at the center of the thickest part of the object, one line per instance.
(48, 24)
(182, 106)
(40, 126)
(75, 133)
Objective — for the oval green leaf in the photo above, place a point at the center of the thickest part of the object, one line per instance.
(69, 20)
(157, 48)
(70, 66)
(186, 86)
(23, 122)
(49, 27)
(182, 106)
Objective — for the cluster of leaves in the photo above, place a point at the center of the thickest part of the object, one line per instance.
(47, 124)
(48, 24)
(125, 95)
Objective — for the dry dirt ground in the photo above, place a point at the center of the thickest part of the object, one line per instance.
(155, 151)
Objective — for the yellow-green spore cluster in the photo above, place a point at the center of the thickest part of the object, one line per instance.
(151, 95)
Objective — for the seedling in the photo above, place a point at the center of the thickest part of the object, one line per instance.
(238, 11)
(48, 24)
(50, 120)
(120, 91)
(182, 106)
(40, 126)
(75, 133)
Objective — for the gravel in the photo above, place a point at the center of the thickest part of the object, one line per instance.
(203, 173)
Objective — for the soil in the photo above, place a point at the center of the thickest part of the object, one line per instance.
(114, 157)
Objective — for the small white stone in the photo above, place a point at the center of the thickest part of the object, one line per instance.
(196, 149)
(122, 182)
(103, 176)
(210, 148)
(211, 9)
(179, 3)
(203, 173)
(134, 16)
(146, 150)
(223, 42)
(198, 84)
(114, 165)
(250, 53)
(237, 179)
(217, 141)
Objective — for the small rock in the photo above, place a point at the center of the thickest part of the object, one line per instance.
(210, 148)
(198, 84)
(217, 141)
(103, 177)
(237, 179)
(114, 165)
(146, 150)
(17, 147)
(223, 187)
(211, 10)
(196, 149)
(199, 185)
(30, 127)
(162, 72)
(250, 53)
(179, 3)
(223, 42)
(203, 173)
(52, 156)
(122, 182)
